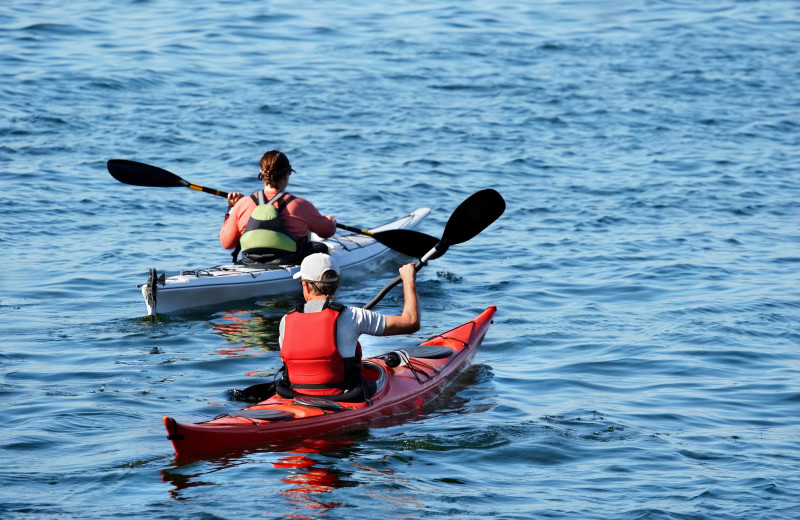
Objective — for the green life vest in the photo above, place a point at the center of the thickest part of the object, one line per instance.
(265, 238)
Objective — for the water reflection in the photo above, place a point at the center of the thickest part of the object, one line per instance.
(184, 481)
(249, 331)
(310, 477)
(309, 469)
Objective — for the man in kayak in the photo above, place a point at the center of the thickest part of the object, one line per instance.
(319, 340)
(272, 226)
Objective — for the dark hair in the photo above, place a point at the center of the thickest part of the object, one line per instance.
(274, 167)
(326, 288)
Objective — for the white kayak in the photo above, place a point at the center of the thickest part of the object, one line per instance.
(224, 283)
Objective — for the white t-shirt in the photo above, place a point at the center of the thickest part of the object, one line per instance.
(352, 322)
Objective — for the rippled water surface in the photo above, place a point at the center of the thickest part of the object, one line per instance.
(644, 360)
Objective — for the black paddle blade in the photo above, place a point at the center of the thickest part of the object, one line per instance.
(140, 174)
(409, 242)
(470, 218)
(473, 216)
(253, 394)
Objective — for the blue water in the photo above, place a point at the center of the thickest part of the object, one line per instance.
(644, 361)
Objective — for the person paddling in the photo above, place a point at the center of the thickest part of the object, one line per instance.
(319, 340)
(273, 226)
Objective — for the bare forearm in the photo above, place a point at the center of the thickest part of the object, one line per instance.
(409, 319)
(411, 311)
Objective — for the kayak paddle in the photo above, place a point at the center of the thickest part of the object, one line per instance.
(409, 242)
(471, 217)
(253, 394)
(140, 174)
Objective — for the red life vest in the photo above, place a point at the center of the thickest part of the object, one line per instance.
(309, 351)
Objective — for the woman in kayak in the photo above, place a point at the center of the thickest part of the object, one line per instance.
(319, 340)
(272, 226)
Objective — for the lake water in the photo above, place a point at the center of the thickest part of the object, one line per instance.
(644, 360)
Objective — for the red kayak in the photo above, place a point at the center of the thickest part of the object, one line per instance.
(424, 371)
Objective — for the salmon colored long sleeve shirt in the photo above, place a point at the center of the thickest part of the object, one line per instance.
(299, 216)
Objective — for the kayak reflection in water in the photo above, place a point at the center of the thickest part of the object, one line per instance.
(319, 340)
(271, 225)
(308, 480)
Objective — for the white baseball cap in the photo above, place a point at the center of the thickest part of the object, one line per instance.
(314, 266)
